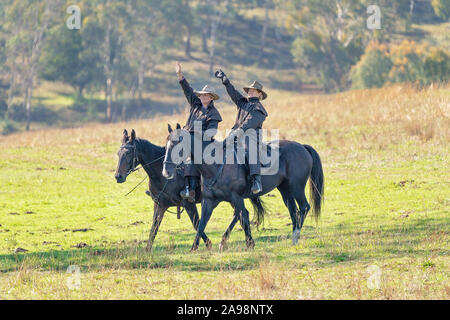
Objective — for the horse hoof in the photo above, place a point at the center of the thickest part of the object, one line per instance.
(223, 246)
(250, 244)
(295, 236)
(208, 244)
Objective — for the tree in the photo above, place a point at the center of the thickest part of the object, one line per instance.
(29, 21)
(66, 58)
(266, 22)
(331, 35)
(146, 40)
(217, 9)
(186, 17)
(403, 62)
(437, 65)
(329, 39)
(107, 20)
(373, 69)
(9, 52)
(441, 8)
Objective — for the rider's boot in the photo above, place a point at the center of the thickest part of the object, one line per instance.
(257, 185)
(184, 194)
(192, 187)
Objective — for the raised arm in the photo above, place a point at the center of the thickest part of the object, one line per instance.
(235, 95)
(187, 89)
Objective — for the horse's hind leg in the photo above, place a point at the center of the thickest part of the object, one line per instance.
(289, 202)
(192, 212)
(300, 197)
(244, 218)
(226, 235)
(296, 217)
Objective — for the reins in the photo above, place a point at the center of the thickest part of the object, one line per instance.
(133, 169)
(136, 169)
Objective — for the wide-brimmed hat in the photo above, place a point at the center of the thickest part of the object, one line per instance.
(258, 86)
(207, 90)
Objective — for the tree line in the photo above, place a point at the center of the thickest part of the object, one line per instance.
(120, 42)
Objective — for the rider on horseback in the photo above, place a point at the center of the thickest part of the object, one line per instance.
(202, 110)
(251, 115)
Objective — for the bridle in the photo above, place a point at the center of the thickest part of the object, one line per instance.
(135, 162)
(135, 159)
(133, 169)
(178, 166)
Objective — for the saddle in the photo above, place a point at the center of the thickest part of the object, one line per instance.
(266, 150)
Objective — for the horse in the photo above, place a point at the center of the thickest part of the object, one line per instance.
(228, 182)
(165, 193)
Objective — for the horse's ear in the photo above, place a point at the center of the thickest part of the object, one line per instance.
(169, 128)
(133, 135)
(178, 126)
(125, 136)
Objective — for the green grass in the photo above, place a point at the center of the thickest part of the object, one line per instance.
(387, 210)
(385, 220)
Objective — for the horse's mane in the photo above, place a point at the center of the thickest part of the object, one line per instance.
(148, 147)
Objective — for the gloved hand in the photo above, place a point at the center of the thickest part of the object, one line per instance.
(221, 75)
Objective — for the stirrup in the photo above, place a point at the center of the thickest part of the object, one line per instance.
(191, 197)
(184, 194)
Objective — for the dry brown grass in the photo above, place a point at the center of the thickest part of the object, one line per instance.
(356, 120)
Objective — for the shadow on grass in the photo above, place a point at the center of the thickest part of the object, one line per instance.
(89, 259)
(317, 248)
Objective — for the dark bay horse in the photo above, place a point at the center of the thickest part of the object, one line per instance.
(165, 193)
(228, 182)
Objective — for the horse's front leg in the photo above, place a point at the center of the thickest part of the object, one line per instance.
(158, 214)
(192, 212)
(208, 206)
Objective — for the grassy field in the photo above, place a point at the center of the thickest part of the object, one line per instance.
(384, 231)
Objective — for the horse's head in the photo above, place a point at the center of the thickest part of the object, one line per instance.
(177, 150)
(127, 157)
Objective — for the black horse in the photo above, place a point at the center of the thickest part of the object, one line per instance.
(228, 182)
(165, 193)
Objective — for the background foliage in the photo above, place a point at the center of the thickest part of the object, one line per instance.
(119, 65)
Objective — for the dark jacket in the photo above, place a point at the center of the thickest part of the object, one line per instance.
(251, 113)
(210, 119)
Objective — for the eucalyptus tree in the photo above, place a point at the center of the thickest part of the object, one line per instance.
(27, 24)
(442, 8)
(104, 27)
(331, 35)
(146, 38)
(216, 9)
(68, 57)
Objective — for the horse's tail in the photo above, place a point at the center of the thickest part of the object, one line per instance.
(316, 182)
(259, 210)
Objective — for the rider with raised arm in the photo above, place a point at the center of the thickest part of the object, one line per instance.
(202, 109)
(251, 115)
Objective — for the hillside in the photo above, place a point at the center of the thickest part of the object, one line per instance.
(56, 104)
(385, 156)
